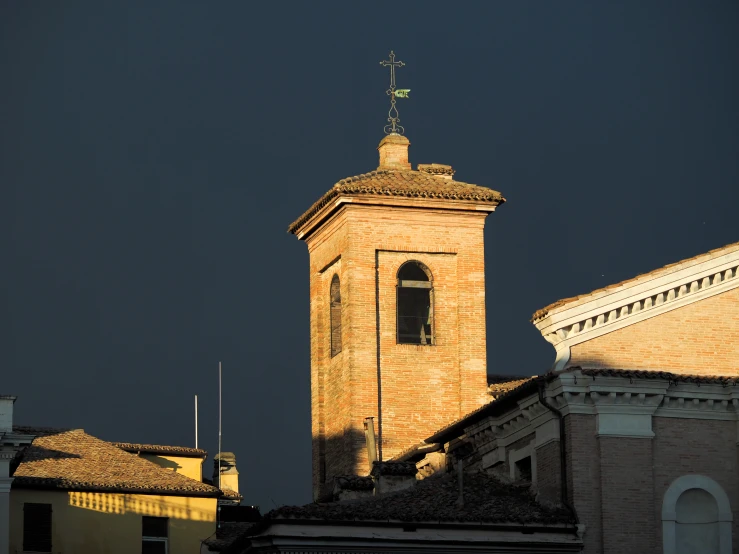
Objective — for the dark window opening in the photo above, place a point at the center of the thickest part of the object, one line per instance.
(36, 527)
(335, 316)
(154, 535)
(523, 469)
(415, 305)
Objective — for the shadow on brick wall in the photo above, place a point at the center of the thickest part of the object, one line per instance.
(337, 456)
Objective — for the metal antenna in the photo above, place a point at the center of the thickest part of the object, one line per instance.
(219, 439)
(392, 115)
(196, 421)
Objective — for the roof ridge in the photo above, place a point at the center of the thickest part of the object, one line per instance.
(401, 183)
(693, 260)
(77, 460)
(154, 448)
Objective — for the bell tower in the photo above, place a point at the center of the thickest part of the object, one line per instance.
(397, 307)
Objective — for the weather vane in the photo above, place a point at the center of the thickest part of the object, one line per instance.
(392, 115)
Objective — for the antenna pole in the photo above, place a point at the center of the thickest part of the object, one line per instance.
(196, 421)
(219, 439)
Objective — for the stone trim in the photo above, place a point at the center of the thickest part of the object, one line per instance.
(626, 407)
(678, 487)
(626, 306)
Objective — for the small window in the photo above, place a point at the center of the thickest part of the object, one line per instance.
(335, 316)
(415, 304)
(523, 469)
(154, 535)
(36, 527)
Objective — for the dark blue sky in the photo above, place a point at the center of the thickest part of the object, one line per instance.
(152, 155)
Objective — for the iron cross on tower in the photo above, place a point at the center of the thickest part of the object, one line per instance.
(393, 116)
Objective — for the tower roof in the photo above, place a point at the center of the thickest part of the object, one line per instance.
(409, 184)
(394, 177)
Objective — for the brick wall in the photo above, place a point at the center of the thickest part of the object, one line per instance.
(627, 498)
(583, 477)
(617, 484)
(423, 387)
(695, 446)
(548, 472)
(700, 338)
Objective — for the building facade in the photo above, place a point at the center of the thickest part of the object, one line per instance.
(72, 492)
(393, 238)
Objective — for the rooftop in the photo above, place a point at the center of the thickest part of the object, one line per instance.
(669, 268)
(183, 451)
(500, 384)
(434, 499)
(70, 459)
(409, 184)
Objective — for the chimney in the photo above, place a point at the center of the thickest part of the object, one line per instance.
(229, 478)
(394, 152)
(393, 476)
(437, 170)
(369, 435)
(6, 413)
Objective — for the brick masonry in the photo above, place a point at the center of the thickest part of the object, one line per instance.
(627, 496)
(548, 473)
(679, 341)
(423, 387)
(695, 446)
(617, 484)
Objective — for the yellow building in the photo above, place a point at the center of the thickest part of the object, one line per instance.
(74, 493)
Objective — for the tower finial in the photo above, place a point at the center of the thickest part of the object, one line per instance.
(392, 115)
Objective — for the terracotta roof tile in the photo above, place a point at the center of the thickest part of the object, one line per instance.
(355, 483)
(523, 386)
(486, 500)
(74, 460)
(667, 376)
(184, 451)
(227, 534)
(669, 268)
(500, 384)
(410, 184)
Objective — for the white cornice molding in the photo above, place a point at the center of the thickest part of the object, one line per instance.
(606, 396)
(645, 299)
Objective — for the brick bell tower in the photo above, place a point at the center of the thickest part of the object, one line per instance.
(397, 307)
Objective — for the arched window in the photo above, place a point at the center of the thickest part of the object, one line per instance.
(415, 304)
(335, 316)
(696, 517)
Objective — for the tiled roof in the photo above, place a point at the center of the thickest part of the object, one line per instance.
(500, 384)
(39, 431)
(434, 499)
(355, 483)
(644, 374)
(524, 386)
(669, 268)
(227, 534)
(183, 451)
(74, 460)
(410, 184)
(393, 468)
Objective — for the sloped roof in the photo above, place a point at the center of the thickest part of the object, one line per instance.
(499, 402)
(228, 532)
(500, 384)
(649, 374)
(183, 451)
(434, 499)
(410, 184)
(669, 268)
(73, 460)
